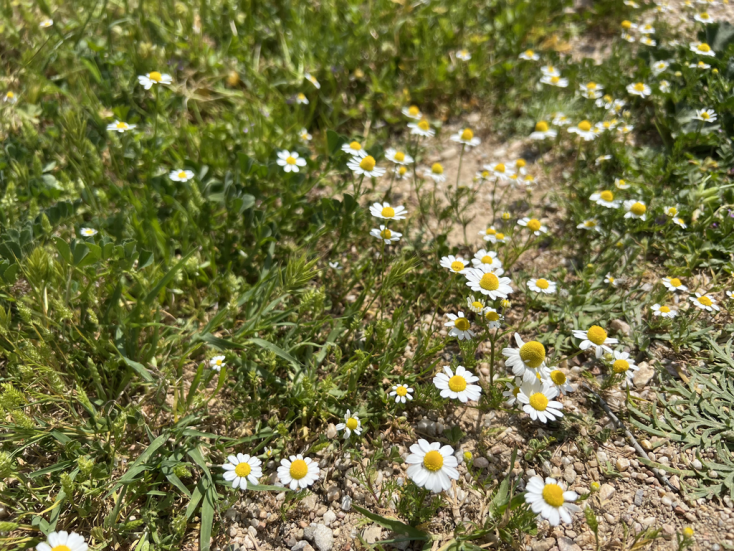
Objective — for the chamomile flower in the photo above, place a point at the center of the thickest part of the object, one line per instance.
(241, 469)
(533, 225)
(486, 258)
(304, 135)
(664, 86)
(457, 385)
(88, 232)
(119, 126)
(298, 472)
(701, 48)
(520, 165)
(560, 82)
(647, 41)
(671, 211)
(355, 149)
(400, 172)
(537, 399)
(595, 338)
(46, 23)
(543, 131)
(529, 55)
(492, 317)
(386, 212)
(584, 130)
(476, 306)
(542, 285)
(625, 128)
(550, 70)
(388, 236)
(700, 65)
(550, 500)
(488, 281)
(432, 466)
(589, 225)
(628, 37)
(659, 66)
(290, 161)
(460, 326)
(63, 541)
(217, 363)
(312, 79)
(605, 102)
(635, 209)
(463, 55)
(466, 138)
(527, 180)
(559, 119)
(351, 424)
(366, 166)
(422, 128)
(398, 157)
(402, 393)
(674, 284)
(301, 99)
(10, 97)
(591, 90)
(617, 105)
(335, 266)
(498, 170)
(150, 79)
(513, 389)
(609, 279)
(705, 115)
(181, 175)
(601, 159)
(664, 311)
(486, 234)
(703, 17)
(558, 379)
(680, 222)
(437, 173)
(527, 360)
(606, 125)
(647, 28)
(412, 112)
(621, 183)
(705, 302)
(730, 294)
(623, 364)
(605, 199)
(639, 89)
(454, 263)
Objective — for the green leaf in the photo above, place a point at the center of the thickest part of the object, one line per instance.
(166, 279)
(207, 518)
(275, 349)
(139, 369)
(394, 525)
(138, 465)
(64, 250)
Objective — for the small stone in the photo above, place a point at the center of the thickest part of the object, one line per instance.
(302, 545)
(667, 501)
(646, 445)
(233, 530)
(321, 535)
(643, 375)
(329, 517)
(481, 462)
(449, 153)
(606, 492)
(333, 493)
(231, 514)
(569, 475)
(346, 503)
(543, 545)
(621, 327)
(372, 533)
(567, 544)
(623, 464)
(639, 494)
(610, 518)
(331, 431)
(649, 521)
(668, 531)
(308, 503)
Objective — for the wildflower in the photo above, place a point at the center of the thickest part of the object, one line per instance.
(46, 23)
(301, 99)
(606, 102)
(664, 86)
(402, 393)
(605, 199)
(541, 285)
(527, 360)
(550, 500)
(304, 135)
(120, 127)
(386, 212)
(703, 17)
(680, 222)
(647, 41)
(558, 379)
(490, 231)
(505, 303)
(665, 311)
(492, 317)
(216, 363)
(498, 170)
(351, 424)
(457, 385)
(298, 472)
(688, 532)
(730, 294)
(660, 66)
(486, 258)
(529, 55)
(437, 173)
(486, 280)
(398, 157)
(476, 306)
(625, 128)
(460, 326)
(589, 225)
(463, 55)
(621, 183)
(88, 232)
(355, 149)
(335, 266)
(602, 158)
(290, 161)
(466, 138)
(670, 211)
(412, 112)
(542, 131)
(422, 128)
(400, 171)
(10, 97)
(646, 29)
(559, 119)
(635, 209)
(467, 455)
(454, 263)
(241, 469)
(537, 400)
(155, 77)
(533, 225)
(591, 90)
(513, 389)
(674, 284)
(388, 237)
(181, 175)
(63, 541)
(623, 364)
(550, 70)
(606, 125)
(705, 302)
(365, 166)
(554, 81)
(705, 115)
(617, 105)
(312, 79)
(639, 89)
(628, 37)
(432, 466)
(583, 129)
(701, 48)
(611, 280)
(595, 338)
(520, 165)
(528, 179)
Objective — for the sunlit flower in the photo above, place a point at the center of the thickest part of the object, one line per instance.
(88, 232)
(492, 317)
(301, 99)
(606, 125)
(542, 285)
(486, 258)
(635, 209)
(432, 466)
(527, 360)
(558, 379)
(488, 281)
(647, 28)
(476, 306)
(659, 66)
(304, 135)
(591, 90)
(559, 119)
(701, 48)
(605, 199)
(155, 77)
(181, 175)
(621, 183)
(560, 82)
(550, 500)
(664, 86)
(312, 79)
(550, 70)
(527, 180)
(639, 89)
(400, 172)
(351, 424)
(355, 149)
(680, 222)
(454, 263)
(46, 23)
(543, 131)
(706, 115)
(705, 302)
(625, 128)
(120, 127)
(610, 280)
(466, 137)
(537, 399)
(335, 266)
(513, 389)
(533, 225)
(402, 393)
(590, 225)
(422, 128)
(584, 130)
(664, 311)
(10, 97)
(624, 365)
(605, 102)
(398, 157)
(412, 112)
(674, 284)
(703, 17)
(628, 37)
(602, 158)
(595, 338)
(647, 41)
(388, 236)
(298, 472)
(241, 469)
(437, 173)
(457, 386)
(366, 166)
(386, 212)
(63, 541)
(460, 326)
(700, 65)
(529, 55)
(290, 161)
(463, 55)
(670, 211)
(217, 363)
(520, 165)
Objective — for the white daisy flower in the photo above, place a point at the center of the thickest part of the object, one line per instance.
(550, 71)
(701, 48)
(610, 280)
(527, 360)
(680, 222)
(412, 112)
(46, 23)
(647, 41)
(558, 379)
(635, 209)
(241, 469)
(463, 55)
(625, 128)
(602, 158)
(703, 17)
(670, 211)
(617, 105)
(486, 258)
(402, 393)
(312, 79)
(386, 212)
(63, 541)
(605, 102)
(454, 263)
(486, 280)
(664, 86)
(559, 119)
(365, 166)
(621, 183)
(543, 131)
(437, 173)
(584, 130)
(460, 327)
(647, 28)
(560, 82)
(301, 99)
(355, 149)
(10, 97)
(432, 466)
(476, 306)
(673, 284)
(705, 115)
(541, 285)
(298, 472)
(466, 137)
(639, 89)
(398, 157)
(529, 55)
(528, 180)
(498, 170)
(700, 65)
(550, 500)
(335, 266)
(400, 171)
(304, 135)
(590, 225)
(88, 232)
(120, 127)
(422, 128)
(351, 424)
(153, 78)
(537, 401)
(730, 294)
(705, 302)
(181, 175)
(513, 389)
(659, 66)
(492, 317)
(520, 165)
(216, 363)
(591, 90)
(606, 126)
(605, 199)
(623, 364)
(664, 311)
(533, 225)
(595, 338)
(290, 161)
(388, 236)
(458, 385)
(628, 37)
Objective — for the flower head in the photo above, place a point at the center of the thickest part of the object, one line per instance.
(457, 386)
(298, 472)
(412, 112)
(398, 157)
(312, 79)
(591, 90)
(537, 399)
(88, 232)
(701, 48)
(558, 81)
(386, 212)
(543, 286)
(46, 23)
(596, 338)
(422, 128)
(488, 281)
(635, 209)
(456, 264)
(584, 130)
(475, 305)
(241, 469)
(402, 392)
(301, 99)
(529, 55)
(151, 79)
(466, 137)
(437, 173)
(217, 363)
(533, 225)
(512, 390)
(527, 360)
(558, 379)
(705, 302)
(388, 236)
(605, 199)
(463, 55)
(664, 311)
(460, 326)
(486, 258)
(181, 175)
(355, 149)
(366, 166)
(351, 424)
(705, 115)
(119, 126)
(589, 225)
(304, 135)
(432, 466)
(639, 89)
(550, 500)
(623, 365)
(63, 541)
(543, 131)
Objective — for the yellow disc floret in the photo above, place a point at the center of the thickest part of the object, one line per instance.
(558, 377)
(542, 283)
(457, 383)
(356, 146)
(386, 234)
(706, 301)
(437, 168)
(639, 87)
(597, 335)
(585, 126)
(533, 224)
(541, 126)
(491, 315)
(388, 212)
(155, 76)
(401, 390)
(433, 461)
(457, 265)
(489, 282)
(620, 366)
(665, 309)
(462, 324)
(414, 111)
(352, 423)
(533, 354)
(553, 495)
(538, 401)
(703, 47)
(638, 208)
(299, 469)
(423, 125)
(368, 163)
(242, 469)
(61, 548)
(606, 195)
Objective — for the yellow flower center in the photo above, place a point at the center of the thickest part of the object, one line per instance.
(638, 208)
(626, 24)
(413, 111)
(467, 134)
(500, 236)
(706, 301)
(704, 15)
(558, 377)
(242, 469)
(386, 234)
(606, 195)
(490, 231)
(290, 160)
(499, 167)
(520, 163)
(620, 366)
(703, 47)
(529, 178)
(555, 80)
(367, 164)
(462, 324)
(301, 97)
(688, 531)
(529, 53)
(388, 212)
(402, 170)
(10, 95)
(121, 125)
(468, 456)
(401, 390)
(155, 76)
(491, 315)
(608, 98)
(352, 423)
(541, 126)
(400, 156)
(585, 126)
(505, 303)
(298, 469)
(533, 224)
(487, 259)
(533, 354)
(457, 265)
(61, 548)
(553, 495)
(590, 224)
(478, 305)
(639, 87)
(423, 125)
(591, 86)
(672, 211)
(433, 461)
(665, 309)
(516, 391)
(457, 383)
(437, 168)
(542, 283)
(538, 401)
(675, 282)
(356, 146)
(489, 282)
(607, 124)
(611, 279)
(597, 335)
(218, 361)
(704, 115)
